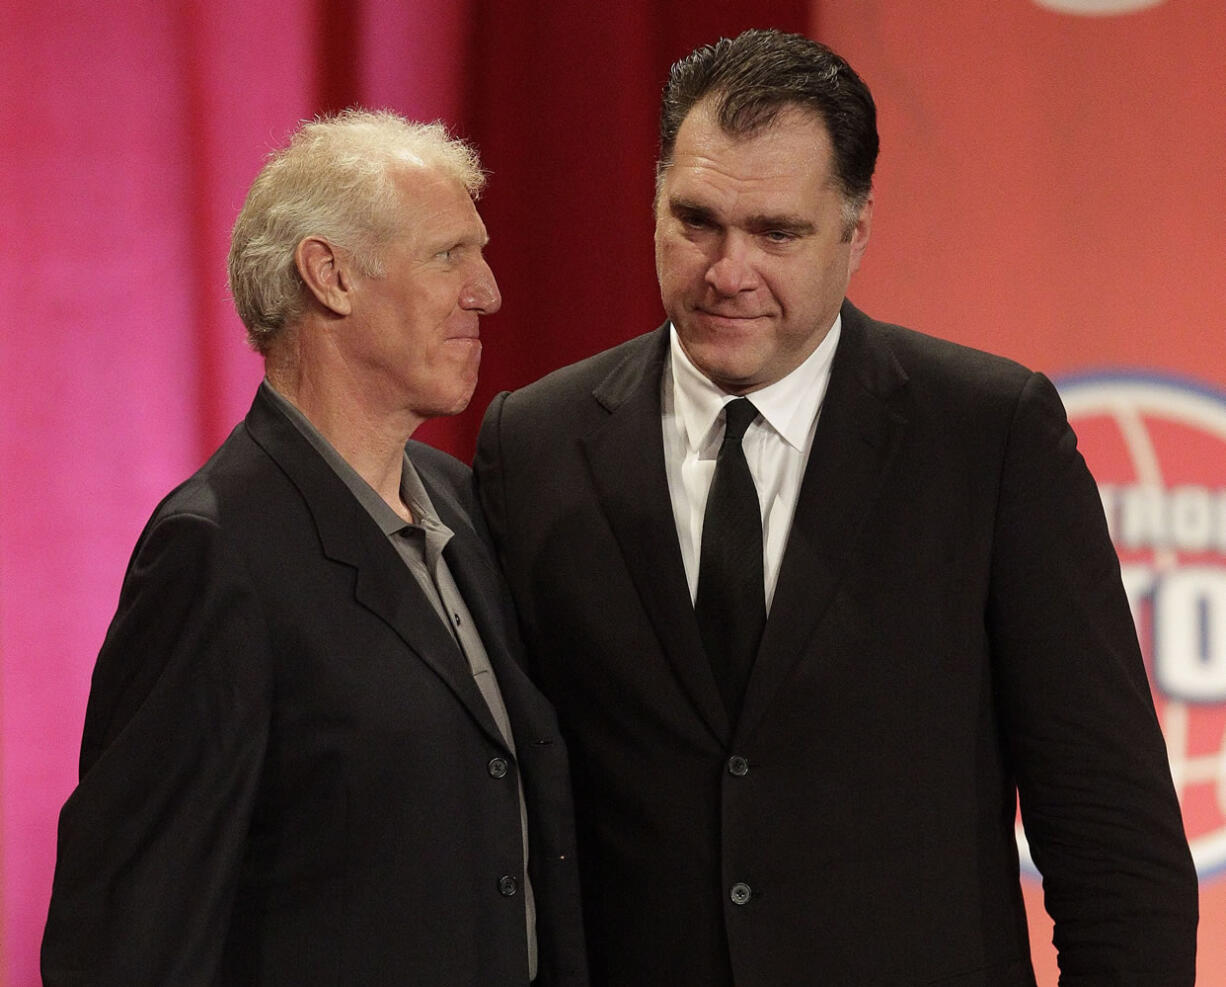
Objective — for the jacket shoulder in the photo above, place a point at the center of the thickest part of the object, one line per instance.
(579, 380)
(238, 475)
(943, 361)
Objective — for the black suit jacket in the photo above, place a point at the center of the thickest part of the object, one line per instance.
(948, 630)
(288, 774)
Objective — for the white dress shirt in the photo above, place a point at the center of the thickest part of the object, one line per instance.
(776, 447)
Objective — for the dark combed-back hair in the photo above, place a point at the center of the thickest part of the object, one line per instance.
(753, 76)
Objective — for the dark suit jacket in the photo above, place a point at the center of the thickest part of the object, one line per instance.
(288, 774)
(948, 630)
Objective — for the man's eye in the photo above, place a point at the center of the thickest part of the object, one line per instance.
(780, 236)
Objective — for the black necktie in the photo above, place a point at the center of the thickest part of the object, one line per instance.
(731, 601)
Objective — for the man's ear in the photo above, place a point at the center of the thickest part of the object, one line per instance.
(860, 233)
(327, 274)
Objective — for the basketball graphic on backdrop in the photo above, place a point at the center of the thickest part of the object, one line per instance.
(1157, 447)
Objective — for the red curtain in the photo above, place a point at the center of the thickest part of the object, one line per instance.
(563, 103)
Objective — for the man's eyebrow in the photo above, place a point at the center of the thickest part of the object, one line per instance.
(758, 223)
(783, 222)
(459, 239)
(692, 209)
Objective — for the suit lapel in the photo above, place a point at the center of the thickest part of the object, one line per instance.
(626, 458)
(472, 565)
(350, 537)
(474, 571)
(856, 439)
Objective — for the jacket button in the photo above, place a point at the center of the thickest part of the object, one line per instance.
(738, 766)
(740, 893)
(497, 767)
(508, 885)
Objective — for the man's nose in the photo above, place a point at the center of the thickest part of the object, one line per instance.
(732, 270)
(481, 293)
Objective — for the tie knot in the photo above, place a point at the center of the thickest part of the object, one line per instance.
(738, 415)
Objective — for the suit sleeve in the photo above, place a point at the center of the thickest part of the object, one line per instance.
(1098, 805)
(151, 841)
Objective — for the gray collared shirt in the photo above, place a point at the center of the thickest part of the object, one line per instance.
(420, 545)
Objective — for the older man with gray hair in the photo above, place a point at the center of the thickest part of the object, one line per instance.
(310, 754)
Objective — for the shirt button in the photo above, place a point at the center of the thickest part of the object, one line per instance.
(738, 766)
(508, 885)
(497, 767)
(740, 893)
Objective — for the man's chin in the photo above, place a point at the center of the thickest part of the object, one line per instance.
(727, 363)
(734, 377)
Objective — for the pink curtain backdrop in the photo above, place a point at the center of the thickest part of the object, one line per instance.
(1051, 188)
(131, 132)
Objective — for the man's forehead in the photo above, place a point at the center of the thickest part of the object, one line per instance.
(787, 119)
(419, 181)
(431, 194)
(712, 169)
(793, 146)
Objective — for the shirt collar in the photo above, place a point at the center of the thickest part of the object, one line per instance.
(788, 405)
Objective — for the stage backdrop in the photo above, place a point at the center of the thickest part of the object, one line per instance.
(1051, 187)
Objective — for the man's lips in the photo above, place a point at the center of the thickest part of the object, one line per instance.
(729, 316)
(466, 334)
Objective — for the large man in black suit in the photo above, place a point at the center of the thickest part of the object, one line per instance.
(310, 753)
(798, 748)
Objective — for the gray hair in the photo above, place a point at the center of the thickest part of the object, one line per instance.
(336, 180)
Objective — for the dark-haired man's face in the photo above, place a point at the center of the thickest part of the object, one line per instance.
(750, 248)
